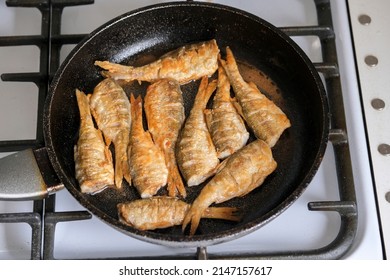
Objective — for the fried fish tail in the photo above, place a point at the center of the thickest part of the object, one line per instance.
(175, 184)
(205, 91)
(196, 211)
(126, 170)
(123, 72)
(118, 171)
(224, 213)
(122, 169)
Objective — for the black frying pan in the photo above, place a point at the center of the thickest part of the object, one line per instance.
(266, 55)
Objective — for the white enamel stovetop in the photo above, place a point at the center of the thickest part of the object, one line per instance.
(296, 229)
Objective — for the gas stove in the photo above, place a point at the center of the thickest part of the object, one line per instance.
(336, 217)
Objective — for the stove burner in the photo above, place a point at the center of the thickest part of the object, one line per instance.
(43, 218)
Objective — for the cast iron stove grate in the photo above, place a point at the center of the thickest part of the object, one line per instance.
(43, 218)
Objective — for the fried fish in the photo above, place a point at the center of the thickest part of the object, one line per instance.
(164, 211)
(184, 64)
(238, 175)
(262, 115)
(165, 116)
(196, 154)
(93, 160)
(226, 126)
(148, 169)
(112, 111)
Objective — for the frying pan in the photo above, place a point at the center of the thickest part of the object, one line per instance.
(266, 56)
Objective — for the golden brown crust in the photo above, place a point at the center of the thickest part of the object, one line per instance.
(196, 154)
(93, 161)
(164, 110)
(148, 169)
(163, 211)
(266, 119)
(226, 126)
(242, 172)
(111, 110)
(184, 64)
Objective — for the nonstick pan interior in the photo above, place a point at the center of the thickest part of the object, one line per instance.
(266, 56)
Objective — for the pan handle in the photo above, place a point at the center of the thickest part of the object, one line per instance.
(27, 175)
